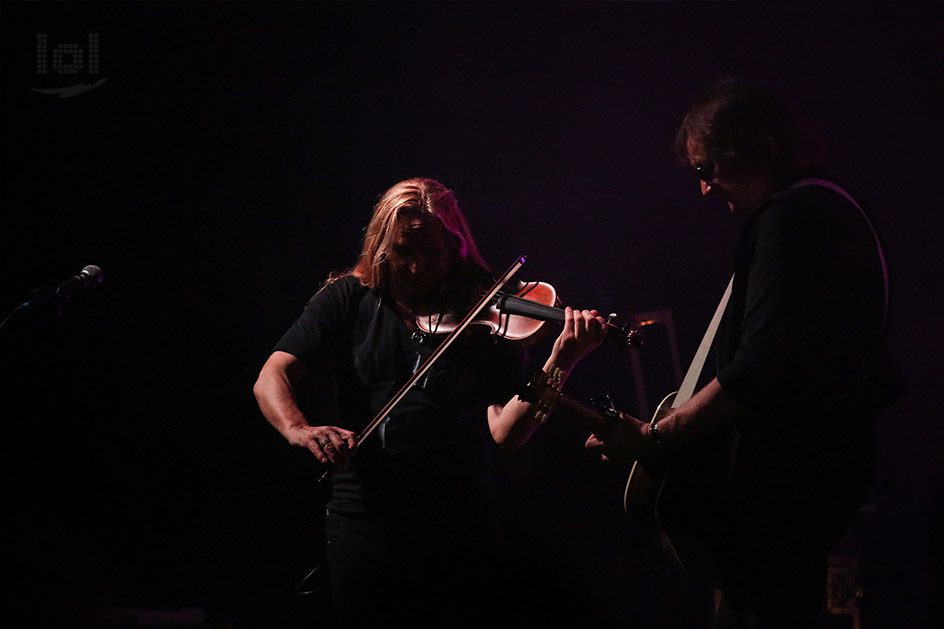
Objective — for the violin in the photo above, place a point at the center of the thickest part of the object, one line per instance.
(495, 309)
(521, 317)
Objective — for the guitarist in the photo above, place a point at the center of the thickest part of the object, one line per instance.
(801, 369)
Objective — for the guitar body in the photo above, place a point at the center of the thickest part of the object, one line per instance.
(683, 498)
(644, 484)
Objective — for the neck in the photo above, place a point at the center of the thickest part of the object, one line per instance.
(411, 306)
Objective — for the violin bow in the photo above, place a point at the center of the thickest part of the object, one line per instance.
(481, 305)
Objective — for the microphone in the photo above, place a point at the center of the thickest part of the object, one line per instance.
(91, 275)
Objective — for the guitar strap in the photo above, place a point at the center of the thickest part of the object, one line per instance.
(878, 245)
(687, 388)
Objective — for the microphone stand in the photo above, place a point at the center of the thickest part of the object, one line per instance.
(45, 312)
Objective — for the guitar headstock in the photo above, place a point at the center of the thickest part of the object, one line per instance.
(544, 391)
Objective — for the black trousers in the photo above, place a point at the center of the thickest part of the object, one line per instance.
(787, 591)
(774, 563)
(415, 569)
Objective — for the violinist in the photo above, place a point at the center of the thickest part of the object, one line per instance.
(410, 533)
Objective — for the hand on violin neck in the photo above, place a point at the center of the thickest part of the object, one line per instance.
(583, 332)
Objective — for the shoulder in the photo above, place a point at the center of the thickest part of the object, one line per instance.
(809, 201)
(819, 190)
(340, 289)
(337, 300)
(785, 211)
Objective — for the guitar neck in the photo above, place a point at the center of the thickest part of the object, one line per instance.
(595, 421)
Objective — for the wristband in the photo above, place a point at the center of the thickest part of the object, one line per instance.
(553, 381)
(655, 435)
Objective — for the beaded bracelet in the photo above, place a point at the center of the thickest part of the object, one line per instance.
(553, 381)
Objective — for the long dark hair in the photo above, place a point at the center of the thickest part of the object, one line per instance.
(739, 124)
(425, 200)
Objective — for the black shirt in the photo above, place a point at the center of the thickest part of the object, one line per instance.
(801, 344)
(803, 328)
(430, 453)
(807, 308)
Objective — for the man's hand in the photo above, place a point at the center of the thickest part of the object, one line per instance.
(628, 441)
(330, 445)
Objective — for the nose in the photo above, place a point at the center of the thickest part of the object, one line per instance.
(705, 188)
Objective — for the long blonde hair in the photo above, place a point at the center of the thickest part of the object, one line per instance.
(422, 200)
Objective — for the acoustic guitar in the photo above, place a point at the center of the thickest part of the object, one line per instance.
(683, 496)
(685, 513)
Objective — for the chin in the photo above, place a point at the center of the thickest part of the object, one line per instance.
(420, 292)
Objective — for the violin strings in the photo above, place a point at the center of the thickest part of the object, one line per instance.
(504, 319)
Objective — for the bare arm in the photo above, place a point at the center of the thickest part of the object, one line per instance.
(513, 423)
(708, 410)
(275, 393)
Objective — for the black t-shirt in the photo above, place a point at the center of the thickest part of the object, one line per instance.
(803, 329)
(808, 303)
(430, 454)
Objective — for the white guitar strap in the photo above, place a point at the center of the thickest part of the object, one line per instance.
(687, 388)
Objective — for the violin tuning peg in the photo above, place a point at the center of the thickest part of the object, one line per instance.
(611, 317)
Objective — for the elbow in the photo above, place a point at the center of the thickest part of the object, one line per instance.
(500, 437)
(507, 442)
(262, 385)
(509, 447)
(505, 445)
(510, 427)
(258, 388)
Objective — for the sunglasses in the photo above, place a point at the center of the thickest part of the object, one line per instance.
(706, 172)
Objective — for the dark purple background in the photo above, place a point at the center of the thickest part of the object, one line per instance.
(231, 160)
